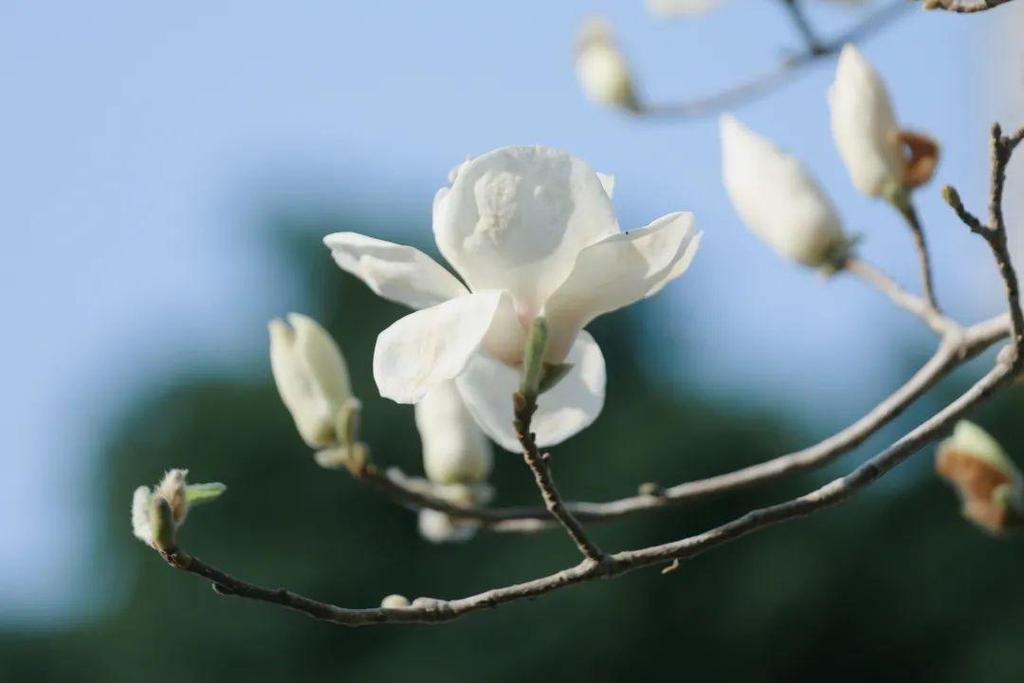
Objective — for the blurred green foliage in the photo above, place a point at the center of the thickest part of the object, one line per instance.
(891, 586)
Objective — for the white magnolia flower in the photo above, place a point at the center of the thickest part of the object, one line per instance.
(531, 231)
(180, 496)
(454, 448)
(601, 68)
(864, 126)
(777, 199)
(312, 378)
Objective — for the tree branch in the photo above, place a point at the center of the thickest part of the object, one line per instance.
(429, 610)
(952, 352)
(964, 6)
(774, 78)
(597, 565)
(921, 308)
(909, 213)
(540, 466)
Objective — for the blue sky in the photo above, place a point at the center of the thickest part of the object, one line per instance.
(142, 141)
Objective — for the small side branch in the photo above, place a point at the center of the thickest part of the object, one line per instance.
(922, 308)
(774, 78)
(540, 466)
(964, 6)
(906, 208)
(995, 232)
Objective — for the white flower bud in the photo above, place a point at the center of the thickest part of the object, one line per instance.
(148, 506)
(864, 126)
(437, 527)
(601, 68)
(312, 378)
(394, 601)
(670, 9)
(455, 450)
(990, 485)
(778, 200)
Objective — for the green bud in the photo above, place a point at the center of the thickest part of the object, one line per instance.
(161, 521)
(533, 358)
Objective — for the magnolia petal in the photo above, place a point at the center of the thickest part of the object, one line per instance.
(776, 198)
(572, 405)
(394, 271)
(516, 217)
(433, 345)
(616, 272)
(864, 126)
(607, 182)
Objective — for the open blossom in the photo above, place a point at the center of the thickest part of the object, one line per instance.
(179, 496)
(990, 485)
(313, 382)
(601, 68)
(777, 199)
(455, 451)
(531, 232)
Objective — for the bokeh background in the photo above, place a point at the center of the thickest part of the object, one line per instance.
(168, 172)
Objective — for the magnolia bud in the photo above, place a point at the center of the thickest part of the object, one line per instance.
(670, 9)
(602, 70)
(778, 200)
(989, 484)
(394, 601)
(454, 448)
(311, 377)
(157, 513)
(864, 126)
(437, 527)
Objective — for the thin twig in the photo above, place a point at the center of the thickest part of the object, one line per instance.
(803, 26)
(964, 6)
(906, 208)
(995, 232)
(768, 81)
(921, 308)
(525, 407)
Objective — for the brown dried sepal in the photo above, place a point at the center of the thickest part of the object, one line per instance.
(920, 160)
(976, 481)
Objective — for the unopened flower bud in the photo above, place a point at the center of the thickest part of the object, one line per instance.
(601, 68)
(455, 450)
(312, 378)
(990, 486)
(671, 9)
(778, 200)
(438, 527)
(157, 513)
(394, 601)
(867, 136)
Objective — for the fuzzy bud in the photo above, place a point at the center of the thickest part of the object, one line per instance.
(989, 484)
(601, 68)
